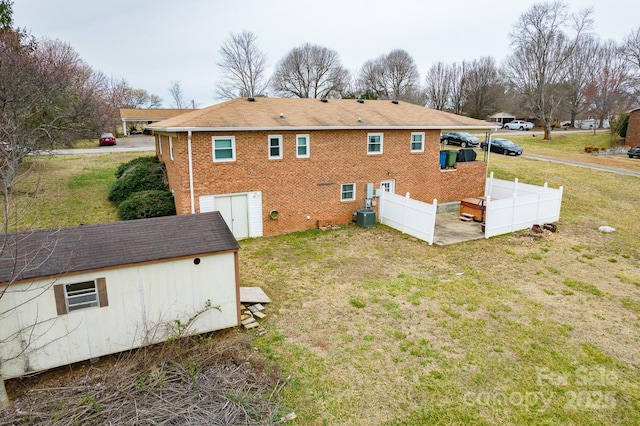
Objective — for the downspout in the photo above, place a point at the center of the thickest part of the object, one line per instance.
(193, 205)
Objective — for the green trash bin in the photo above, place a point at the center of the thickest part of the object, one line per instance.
(451, 158)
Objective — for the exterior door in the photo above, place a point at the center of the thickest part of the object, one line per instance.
(388, 186)
(235, 211)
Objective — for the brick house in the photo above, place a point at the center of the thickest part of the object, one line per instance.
(633, 130)
(275, 165)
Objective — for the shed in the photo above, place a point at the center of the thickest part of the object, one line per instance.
(73, 294)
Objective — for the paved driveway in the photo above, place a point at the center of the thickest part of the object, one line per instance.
(127, 144)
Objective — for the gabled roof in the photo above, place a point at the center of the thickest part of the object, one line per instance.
(53, 252)
(150, 114)
(315, 114)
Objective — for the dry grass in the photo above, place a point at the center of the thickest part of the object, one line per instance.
(375, 327)
(207, 380)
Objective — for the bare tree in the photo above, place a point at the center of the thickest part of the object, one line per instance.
(459, 77)
(392, 76)
(484, 88)
(310, 71)
(438, 85)
(243, 66)
(608, 92)
(580, 74)
(631, 51)
(48, 98)
(538, 66)
(178, 95)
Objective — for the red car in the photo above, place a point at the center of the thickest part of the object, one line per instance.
(107, 139)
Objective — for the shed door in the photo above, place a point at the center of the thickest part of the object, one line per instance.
(235, 212)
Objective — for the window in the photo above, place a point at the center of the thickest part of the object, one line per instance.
(80, 295)
(160, 143)
(171, 147)
(374, 143)
(224, 148)
(348, 192)
(302, 146)
(275, 147)
(417, 142)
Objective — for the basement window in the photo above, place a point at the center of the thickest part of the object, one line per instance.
(347, 192)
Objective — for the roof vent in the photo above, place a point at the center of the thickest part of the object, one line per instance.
(251, 99)
(395, 102)
(359, 119)
(325, 100)
(360, 101)
(282, 115)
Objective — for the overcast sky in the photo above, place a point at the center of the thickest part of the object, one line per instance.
(152, 43)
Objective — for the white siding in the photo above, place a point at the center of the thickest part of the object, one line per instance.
(144, 302)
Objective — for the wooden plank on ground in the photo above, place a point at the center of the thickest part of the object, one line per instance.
(253, 295)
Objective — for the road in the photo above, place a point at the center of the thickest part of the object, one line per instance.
(591, 166)
(129, 144)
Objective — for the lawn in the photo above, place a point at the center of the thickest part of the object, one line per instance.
(374, 327)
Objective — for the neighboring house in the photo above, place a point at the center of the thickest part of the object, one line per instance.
(501, 117)
(140, 118)
(74, 294)
(633, 129)
(273, 165)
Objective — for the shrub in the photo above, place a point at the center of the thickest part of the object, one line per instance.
(620, 124)
(142, 175)
(135, 162)
(144, 204)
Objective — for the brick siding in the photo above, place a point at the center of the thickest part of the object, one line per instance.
(633, 131)
(301, 187)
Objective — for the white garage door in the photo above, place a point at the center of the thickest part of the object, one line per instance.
(241, 212)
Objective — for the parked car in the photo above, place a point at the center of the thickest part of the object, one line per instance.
(107, 139)
(634, 152)
(6, 149)
(463, 139)
(503, 146)
(518, 125)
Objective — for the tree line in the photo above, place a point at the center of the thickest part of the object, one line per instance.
(557, 69)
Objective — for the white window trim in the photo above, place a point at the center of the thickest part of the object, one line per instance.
(280, 147)
(422, 134)
(160, 143)
(84, 305)
(213, 148)
(342, 191)
(308, 145)
(171, 147)
(369, 135)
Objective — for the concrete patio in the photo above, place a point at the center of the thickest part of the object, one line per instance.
(451, 230)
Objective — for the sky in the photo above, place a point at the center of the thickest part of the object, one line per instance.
(153, 43)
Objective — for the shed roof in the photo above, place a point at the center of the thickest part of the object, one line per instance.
(53, 252)
(298, 114)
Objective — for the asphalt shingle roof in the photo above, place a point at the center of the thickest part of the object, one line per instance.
(270, 113)
(53, 252)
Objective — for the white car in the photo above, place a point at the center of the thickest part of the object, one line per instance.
(518, 125)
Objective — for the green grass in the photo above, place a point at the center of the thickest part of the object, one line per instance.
(573, 143)
(372, 327)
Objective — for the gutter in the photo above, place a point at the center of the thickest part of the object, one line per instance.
(190, 154)
(308, 128)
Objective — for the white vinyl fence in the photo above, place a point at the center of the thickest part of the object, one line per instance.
(412, 217)
(512, 206)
